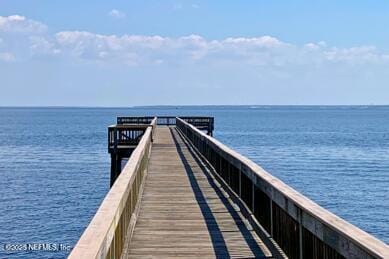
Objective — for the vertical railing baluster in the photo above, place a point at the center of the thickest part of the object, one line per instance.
(300, 222)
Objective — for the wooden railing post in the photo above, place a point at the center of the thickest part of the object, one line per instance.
(240, 180)
(271, 213)
(252, 198)
(300, 222)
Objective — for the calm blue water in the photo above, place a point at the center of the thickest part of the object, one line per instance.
(54, 165)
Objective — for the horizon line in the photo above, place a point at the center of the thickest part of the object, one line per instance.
(192, 105)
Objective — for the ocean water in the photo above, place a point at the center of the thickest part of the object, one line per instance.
(54, 165)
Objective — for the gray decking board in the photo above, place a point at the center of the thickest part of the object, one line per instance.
(183, 213)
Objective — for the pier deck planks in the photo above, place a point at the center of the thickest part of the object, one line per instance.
(183, 212)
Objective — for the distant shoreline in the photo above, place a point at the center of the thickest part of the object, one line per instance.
(254, 106)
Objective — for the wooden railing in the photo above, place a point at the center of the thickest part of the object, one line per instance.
(134, 120)
(112, 225)
(125, 135)
(128, 134)
(300, 227)
(200, 122)
(166, 120)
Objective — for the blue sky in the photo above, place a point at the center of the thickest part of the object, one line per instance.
(124, 53)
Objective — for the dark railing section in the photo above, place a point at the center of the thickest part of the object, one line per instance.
(262, 212)
(313, 247)
(122, 136)
(126, 134)
(161, 120)
(123, 139)
(286, 231)
(134, 120)
(200, 122)
(166, 120)
(300, 227)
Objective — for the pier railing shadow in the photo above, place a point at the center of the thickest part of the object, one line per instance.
(299, 226)
(216, 234)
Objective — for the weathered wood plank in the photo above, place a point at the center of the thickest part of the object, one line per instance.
(184, 212)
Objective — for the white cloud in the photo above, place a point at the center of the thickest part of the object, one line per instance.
(147, 49)
(355, 55)
(117, 14)
(263, 50)
(42, 46)
(81, 46)
(142, 49)
(7, 56)
(262, 42)
(17, 23)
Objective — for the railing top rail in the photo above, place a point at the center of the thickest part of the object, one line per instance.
(129, 126)
(366, 241)
(150, 121)
(93, 241)
(195, 117)
(136, 119)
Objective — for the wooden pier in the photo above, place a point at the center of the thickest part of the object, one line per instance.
(183, 194)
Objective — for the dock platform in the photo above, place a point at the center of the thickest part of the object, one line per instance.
(184, 194)
(185, 213)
